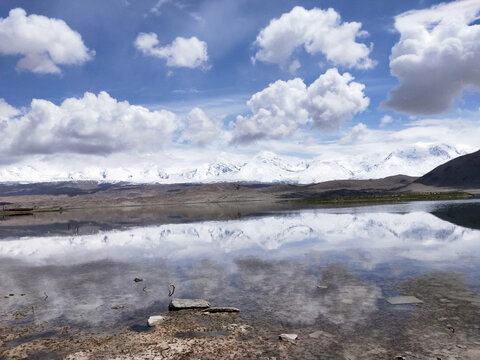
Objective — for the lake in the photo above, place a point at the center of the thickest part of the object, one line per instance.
(330, 270)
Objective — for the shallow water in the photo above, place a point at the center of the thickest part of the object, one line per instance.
(269, 266)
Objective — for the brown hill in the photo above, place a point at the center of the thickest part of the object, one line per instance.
(462, 172)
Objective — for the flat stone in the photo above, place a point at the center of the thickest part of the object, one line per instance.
(401, 300)
(155, 320)
(288, 337)
(217, 309)
(182, 304)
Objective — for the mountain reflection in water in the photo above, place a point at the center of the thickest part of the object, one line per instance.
(267, 266)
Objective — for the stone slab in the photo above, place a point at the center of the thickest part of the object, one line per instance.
(402, 300)
(182, 304)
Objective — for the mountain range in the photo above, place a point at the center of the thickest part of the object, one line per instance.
(264, 167)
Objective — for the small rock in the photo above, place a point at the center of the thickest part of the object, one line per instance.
(138, 280)
(182, 304)
(288, 337)
(117, 307)
(217, 309)
(155, 320)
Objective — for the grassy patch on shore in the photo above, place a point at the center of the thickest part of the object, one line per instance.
(389, 198)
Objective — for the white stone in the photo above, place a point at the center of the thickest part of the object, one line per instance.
(288, 337)
(181, 304)
(155, 320)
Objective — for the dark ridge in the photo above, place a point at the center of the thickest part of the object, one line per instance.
(466, 214)
(462, 172)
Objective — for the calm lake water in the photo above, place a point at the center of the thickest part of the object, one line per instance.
(269, 266)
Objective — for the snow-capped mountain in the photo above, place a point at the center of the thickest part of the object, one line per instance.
(265, 166)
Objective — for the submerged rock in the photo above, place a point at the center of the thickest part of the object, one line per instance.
(155, 320)
(288, 337)
(320, 334)
(182, 304)
(402, 300)
(218, 309)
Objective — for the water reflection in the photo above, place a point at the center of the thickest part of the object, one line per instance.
(268, 266)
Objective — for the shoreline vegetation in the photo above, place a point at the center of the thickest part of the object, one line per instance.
(391, 198)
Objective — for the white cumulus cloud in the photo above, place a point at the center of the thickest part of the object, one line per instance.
(200, 130)
(287, 106)
(385, 120)
(436, 57)
(182, 52)
(318, 31)
(7, 111)
(93, 124)
(357, 132)
(43, 43)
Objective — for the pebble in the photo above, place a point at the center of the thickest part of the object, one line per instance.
(288, 337)
(155, 320)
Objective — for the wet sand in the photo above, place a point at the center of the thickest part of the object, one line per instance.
(444, 326)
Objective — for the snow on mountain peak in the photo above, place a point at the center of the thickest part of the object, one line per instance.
(265, 166)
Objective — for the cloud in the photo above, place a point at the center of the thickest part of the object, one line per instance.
(7, 111)
(287, 106)
(318, 31)
(182, 52)
(93, 124)
(436, 57)
(357, 132)
(200, 130)
(43, 43)
(385, 120)
(156, 8)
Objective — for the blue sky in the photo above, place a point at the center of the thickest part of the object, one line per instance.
(128, 50)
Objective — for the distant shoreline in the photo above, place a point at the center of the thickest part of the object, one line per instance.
(29, 199)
